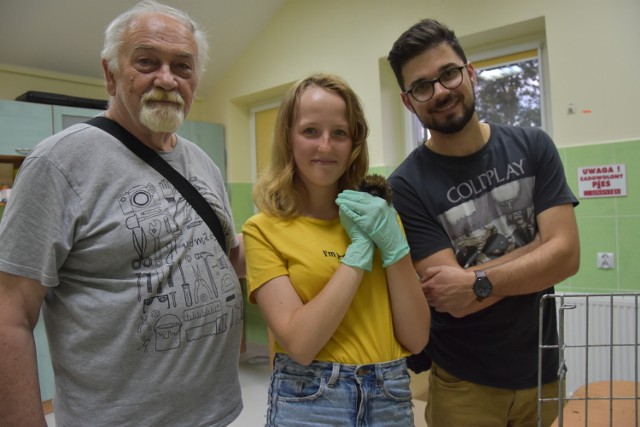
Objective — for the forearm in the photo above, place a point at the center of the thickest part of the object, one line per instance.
(553, 256)
(20, 301)
(540, 269)
(476, 306)
(508, 257)
(19, 389)
(304, 330)
(450, 289)
(553, 260)
(410, 311)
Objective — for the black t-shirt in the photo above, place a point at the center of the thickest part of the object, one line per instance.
(483, 206)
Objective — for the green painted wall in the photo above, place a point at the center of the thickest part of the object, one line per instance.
(609, 224)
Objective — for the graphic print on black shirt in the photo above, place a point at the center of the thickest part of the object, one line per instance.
(493, 224)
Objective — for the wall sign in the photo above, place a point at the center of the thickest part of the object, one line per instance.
(602, 181)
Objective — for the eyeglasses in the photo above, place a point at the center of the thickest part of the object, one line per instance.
(423, 90)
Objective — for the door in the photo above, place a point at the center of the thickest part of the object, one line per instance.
(265, 121)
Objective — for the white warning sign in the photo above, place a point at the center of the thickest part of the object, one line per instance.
(602, 181)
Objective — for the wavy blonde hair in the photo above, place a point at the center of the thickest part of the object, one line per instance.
(276, 192)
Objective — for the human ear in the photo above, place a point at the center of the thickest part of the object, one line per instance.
(407, 102)
(110, 80)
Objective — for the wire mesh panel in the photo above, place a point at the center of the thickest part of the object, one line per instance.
(598, 355)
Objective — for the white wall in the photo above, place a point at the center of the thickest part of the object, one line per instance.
(587, 41)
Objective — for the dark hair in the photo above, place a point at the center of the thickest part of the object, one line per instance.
(422, 36)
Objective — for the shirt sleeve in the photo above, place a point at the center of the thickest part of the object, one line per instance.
(264, 261)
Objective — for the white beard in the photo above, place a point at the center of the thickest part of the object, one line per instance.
(161, 118)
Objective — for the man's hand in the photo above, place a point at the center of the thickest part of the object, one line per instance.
(449, 289)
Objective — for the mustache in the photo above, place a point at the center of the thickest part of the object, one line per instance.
(164, 96)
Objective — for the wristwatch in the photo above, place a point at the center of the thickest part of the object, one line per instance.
(482, 287)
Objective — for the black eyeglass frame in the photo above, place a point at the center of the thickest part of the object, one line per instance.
(434, 81)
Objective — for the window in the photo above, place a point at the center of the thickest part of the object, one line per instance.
(508, 89)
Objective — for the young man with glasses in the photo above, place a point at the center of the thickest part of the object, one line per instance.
(490, 221)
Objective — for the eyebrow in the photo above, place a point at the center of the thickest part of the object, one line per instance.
(441, 70)
(151, 48)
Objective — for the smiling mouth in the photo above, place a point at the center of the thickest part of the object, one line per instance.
(446, 106)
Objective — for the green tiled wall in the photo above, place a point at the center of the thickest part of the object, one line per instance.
(242, 207)
(609, 224)
(241, 203)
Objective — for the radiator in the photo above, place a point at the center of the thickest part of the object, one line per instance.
(598, 337)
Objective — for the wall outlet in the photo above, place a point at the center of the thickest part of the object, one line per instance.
(606, 260)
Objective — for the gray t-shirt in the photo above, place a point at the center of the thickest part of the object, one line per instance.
(144, 311)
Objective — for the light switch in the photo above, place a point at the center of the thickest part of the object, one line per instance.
(606, 260)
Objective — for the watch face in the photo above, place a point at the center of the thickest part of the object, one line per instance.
(482, 286)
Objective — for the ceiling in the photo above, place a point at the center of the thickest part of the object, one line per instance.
(66, 36)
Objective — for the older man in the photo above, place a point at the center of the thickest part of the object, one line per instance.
(138, 294)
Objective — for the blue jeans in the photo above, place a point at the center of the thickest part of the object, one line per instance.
(331, 394)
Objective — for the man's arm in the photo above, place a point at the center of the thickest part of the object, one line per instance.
(532, 268)
(20, 301)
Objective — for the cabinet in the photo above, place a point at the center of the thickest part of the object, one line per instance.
(63, 117)
(23, 125)
(209, 137)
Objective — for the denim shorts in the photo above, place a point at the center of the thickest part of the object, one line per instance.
(332, 394)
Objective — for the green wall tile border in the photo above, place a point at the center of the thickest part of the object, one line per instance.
(241, 203)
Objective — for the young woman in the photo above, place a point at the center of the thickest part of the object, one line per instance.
(330, 270)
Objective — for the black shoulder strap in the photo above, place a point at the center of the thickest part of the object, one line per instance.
(185, 188)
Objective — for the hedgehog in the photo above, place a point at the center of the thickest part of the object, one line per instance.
(376, 185)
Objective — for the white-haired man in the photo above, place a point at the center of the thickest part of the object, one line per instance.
(134, 288)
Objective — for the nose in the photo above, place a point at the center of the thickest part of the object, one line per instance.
(165, 78)
(324, 142)
(438, 88)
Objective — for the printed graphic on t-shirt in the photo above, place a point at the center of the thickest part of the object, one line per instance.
(187, 289)
(492, 224)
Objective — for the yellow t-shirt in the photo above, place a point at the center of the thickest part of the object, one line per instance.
(309, 250)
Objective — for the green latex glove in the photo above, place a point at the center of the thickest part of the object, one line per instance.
(360, 252)
(379, 220)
